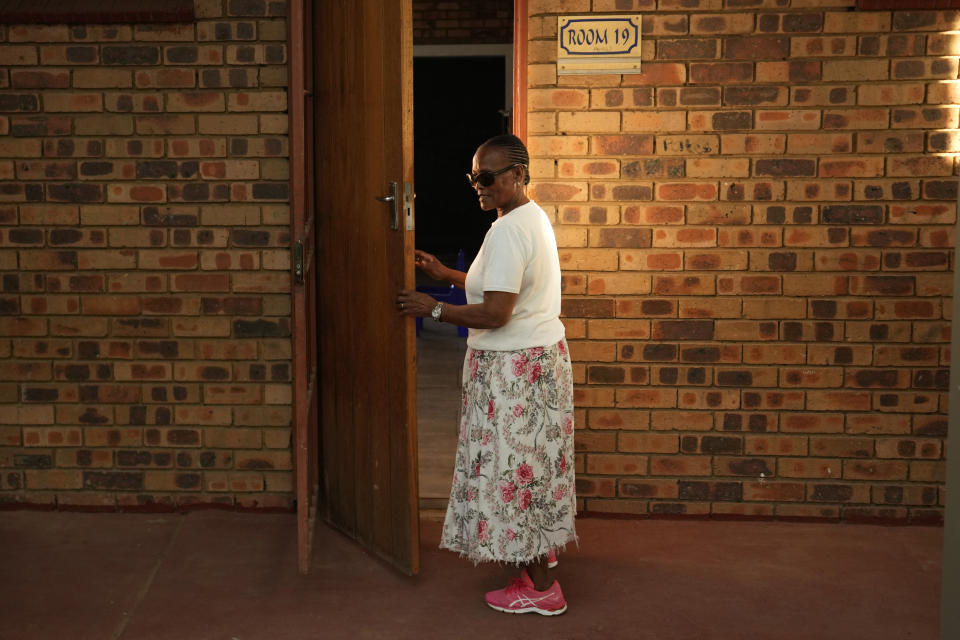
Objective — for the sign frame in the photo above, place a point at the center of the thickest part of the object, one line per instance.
(599, 44)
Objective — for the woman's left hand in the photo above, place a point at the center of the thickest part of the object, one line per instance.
(414, 303)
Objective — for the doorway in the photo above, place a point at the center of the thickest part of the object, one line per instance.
(355, 420)
(462, 96)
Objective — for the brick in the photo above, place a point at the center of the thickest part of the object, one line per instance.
(722, 23)
(20, 149)
(47, 170)
(595, 486)
(39, 33)
(905, 401)
(751, 190)
(895, 494)
(856, 22)
(755, 47)
(196, 101)
(856, 70)
(730, 491)
(18, 55)
(689, 49)
(98, 78)
(740, 144)
(53, 479)
(135, 193)
(793, 71)
(618, 419)
(774, 491)
(868, 470)
(103, 125)
(657, 74)
(101, 33)
(774, 120)
(838, 493)
(927, 117)
(133, 102)
(927, 471)
(96, 458)
(69, 55)
(890, 94)
(908, 448)
(601, 464)
(699, 353)
(72, 102)
(661, 121)
(645, 488)
(689, 97)
(134, 148)
(37, 79)
(721, 72)
(166, 78)
(258, 101)
(165, 125)
(755, 95)
(51, 436)
(818, 46)
(886, 189)
(822, 95)
(537, 145)
(587, 122)
(43, 305)
(259, 147)
(538, 99)
(110, 305)
(680, 466)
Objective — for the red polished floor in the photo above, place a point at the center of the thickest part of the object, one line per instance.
(216, 575)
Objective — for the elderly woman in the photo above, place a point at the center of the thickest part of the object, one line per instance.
(512, 498)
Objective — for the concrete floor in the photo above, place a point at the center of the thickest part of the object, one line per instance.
(439, 366)
(217, 575)
(220, 575)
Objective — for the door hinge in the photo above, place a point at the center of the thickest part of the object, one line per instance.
(298, 262)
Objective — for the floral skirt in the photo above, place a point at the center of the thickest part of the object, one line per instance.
(513, 494)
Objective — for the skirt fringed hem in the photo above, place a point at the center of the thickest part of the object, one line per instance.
(478, 558)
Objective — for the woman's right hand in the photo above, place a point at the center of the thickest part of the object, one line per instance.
(429, 264)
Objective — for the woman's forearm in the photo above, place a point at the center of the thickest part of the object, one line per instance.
(492, 313)
(472, 316)
(456, 278)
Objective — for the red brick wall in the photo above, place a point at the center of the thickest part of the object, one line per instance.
(462, 21)
(757, 241)
(756, 234)
(144, 284)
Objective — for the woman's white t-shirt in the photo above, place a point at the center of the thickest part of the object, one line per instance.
(519, 255)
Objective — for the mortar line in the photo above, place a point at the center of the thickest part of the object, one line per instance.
(145, 589)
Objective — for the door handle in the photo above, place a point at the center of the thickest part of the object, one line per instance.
(394, 203)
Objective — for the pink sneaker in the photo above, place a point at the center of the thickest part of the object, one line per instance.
(520, 597)
(552, 558)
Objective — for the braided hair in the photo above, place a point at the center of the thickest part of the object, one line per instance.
(515, 151)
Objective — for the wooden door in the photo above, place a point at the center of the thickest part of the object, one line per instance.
(364, 142)
(304, 276)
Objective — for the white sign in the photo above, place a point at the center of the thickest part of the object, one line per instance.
(598, 44)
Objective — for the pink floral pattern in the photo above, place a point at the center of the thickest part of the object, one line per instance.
(513, 495)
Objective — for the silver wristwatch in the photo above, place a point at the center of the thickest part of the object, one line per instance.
(437, 310)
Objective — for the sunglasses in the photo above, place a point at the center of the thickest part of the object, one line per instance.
(487, 178)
